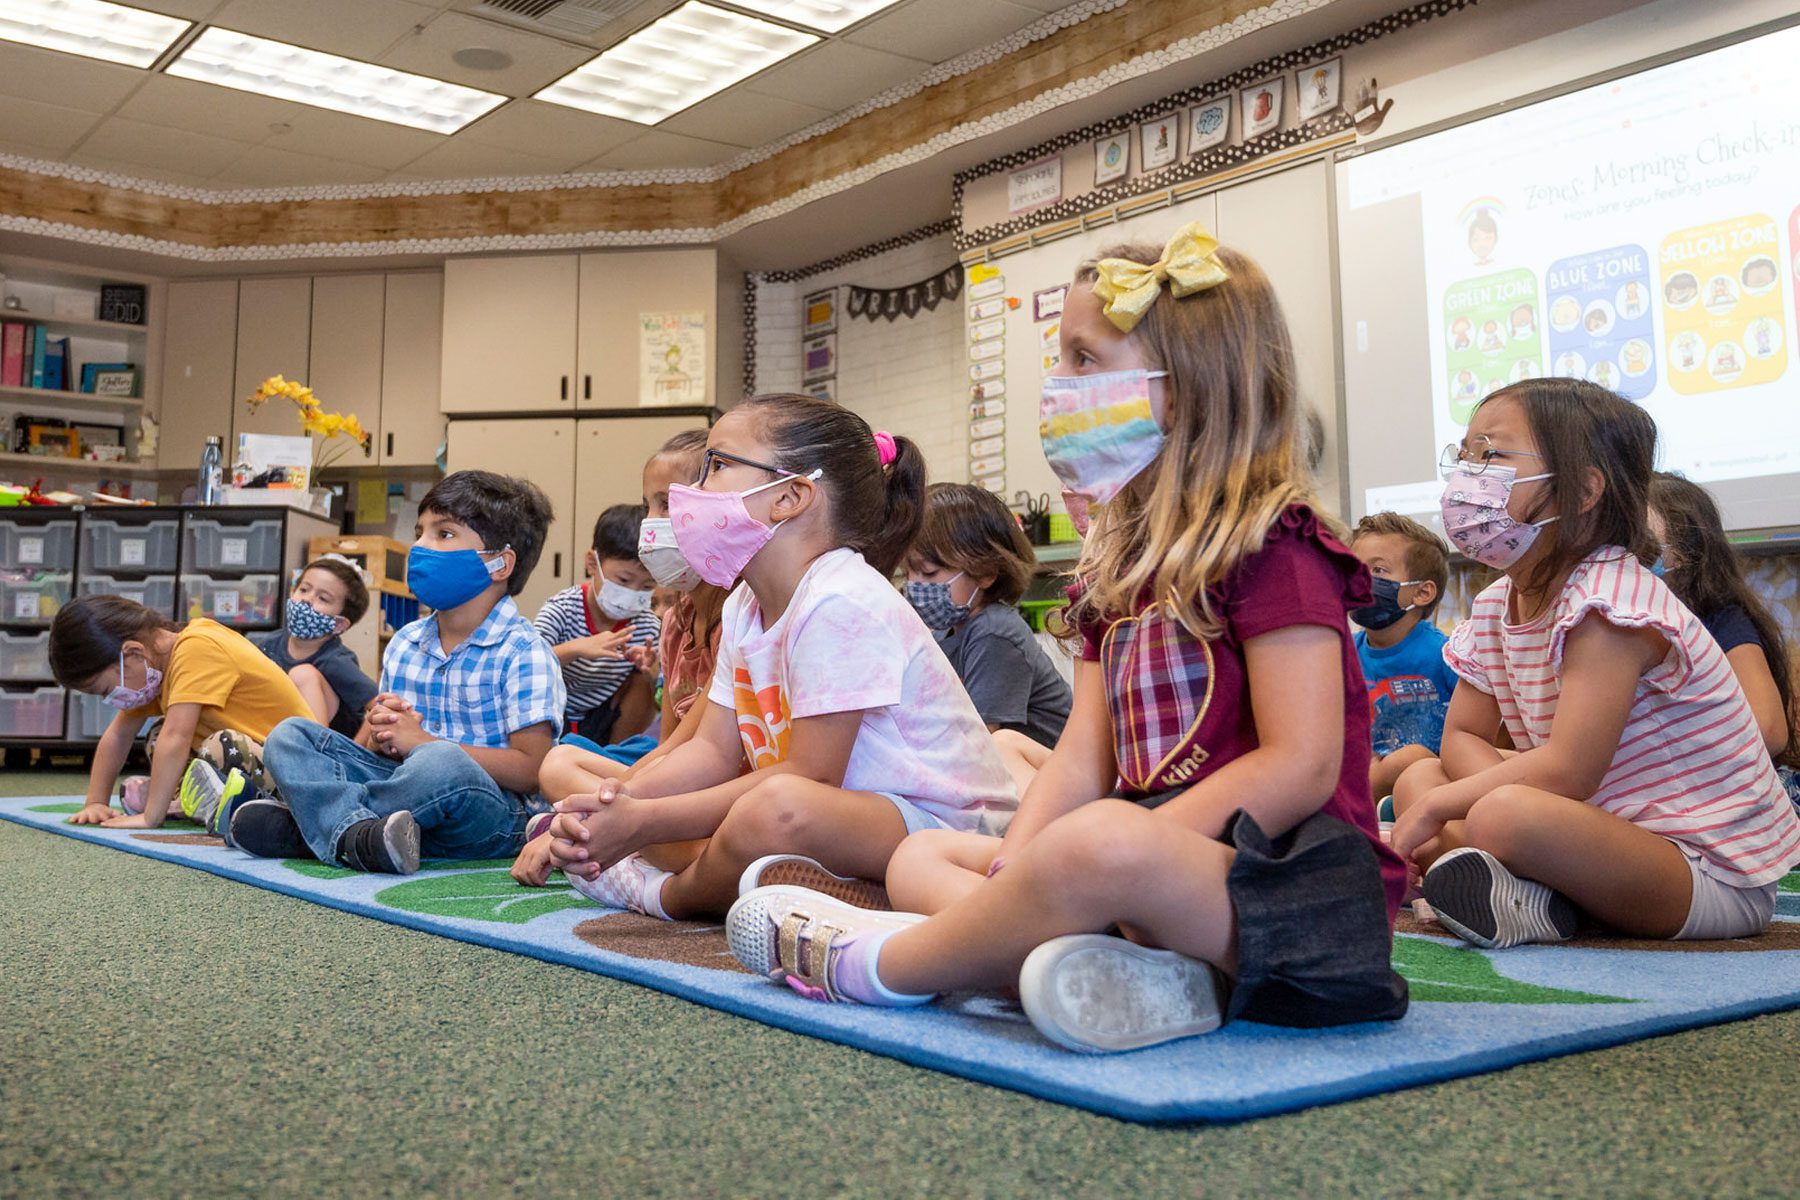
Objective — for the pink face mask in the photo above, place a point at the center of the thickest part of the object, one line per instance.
(716, 533)
(1475, 516)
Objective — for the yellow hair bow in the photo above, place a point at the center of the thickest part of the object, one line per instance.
(1188, 263)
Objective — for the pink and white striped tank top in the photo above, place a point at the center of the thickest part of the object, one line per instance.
(1691, 764)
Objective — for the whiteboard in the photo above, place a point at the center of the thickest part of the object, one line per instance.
(1280, 219)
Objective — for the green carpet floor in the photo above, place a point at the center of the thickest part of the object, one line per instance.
(164, 1032)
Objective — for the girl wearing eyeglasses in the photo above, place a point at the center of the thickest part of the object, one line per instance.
(1641, 795)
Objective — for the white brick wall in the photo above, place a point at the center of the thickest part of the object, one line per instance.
(907, 376)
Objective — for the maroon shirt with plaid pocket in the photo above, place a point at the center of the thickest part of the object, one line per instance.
(1181, 704)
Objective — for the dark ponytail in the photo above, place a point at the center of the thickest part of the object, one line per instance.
(876, 510)
(89, 631)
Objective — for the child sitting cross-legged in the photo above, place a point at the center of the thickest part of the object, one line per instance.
(1401, 651)
(855, 729)
(446, 762)
(1209, 797)
(1642, 793)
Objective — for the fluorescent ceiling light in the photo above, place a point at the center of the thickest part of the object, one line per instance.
(92, 28)
(675, 61)
(828, 15)
(253, 64)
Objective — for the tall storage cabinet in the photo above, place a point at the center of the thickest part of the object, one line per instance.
(199, 368)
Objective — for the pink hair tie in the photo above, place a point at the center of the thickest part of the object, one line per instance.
(884, 446)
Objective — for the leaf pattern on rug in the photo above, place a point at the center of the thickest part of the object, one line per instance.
(481, 896)
(1466, 975)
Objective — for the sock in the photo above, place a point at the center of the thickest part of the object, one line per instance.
(855, 974)
(653, 886)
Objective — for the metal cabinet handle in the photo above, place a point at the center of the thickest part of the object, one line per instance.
(565, 387)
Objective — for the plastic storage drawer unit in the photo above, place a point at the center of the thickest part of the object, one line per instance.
(37, 713)
(123, 546)
(155, 591)
(217, 546)
(25, 655)
(32, 597)
(49, 546)
(247, 601)
(89, 715)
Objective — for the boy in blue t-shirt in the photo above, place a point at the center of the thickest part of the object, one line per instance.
(1402, 652)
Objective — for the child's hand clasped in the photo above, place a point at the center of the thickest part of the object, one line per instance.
(396, 726)
(588, 834)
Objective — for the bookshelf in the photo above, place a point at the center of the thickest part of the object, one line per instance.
(42, 288)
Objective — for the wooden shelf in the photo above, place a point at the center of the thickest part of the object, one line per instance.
(45, 464)
(92, 323)
(118, 404)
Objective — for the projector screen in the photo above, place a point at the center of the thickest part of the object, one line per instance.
(1641, 233)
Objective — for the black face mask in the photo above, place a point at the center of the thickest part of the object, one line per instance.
(1386, 609)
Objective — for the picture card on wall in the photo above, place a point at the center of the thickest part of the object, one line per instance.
(1034, 186)
(1112, 158)
(1048, 303)
(1209, 124)
(818, 357)
(1159, 142)
(1318, 89)
(1261, 105)
(820, 310)
(824, 389)
(982, 310)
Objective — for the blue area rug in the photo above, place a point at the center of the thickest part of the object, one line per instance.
(1472, 1011)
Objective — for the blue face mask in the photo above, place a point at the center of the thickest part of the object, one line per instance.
(308, 623)
(1387, 607)
(1657, 568)
(443, 579)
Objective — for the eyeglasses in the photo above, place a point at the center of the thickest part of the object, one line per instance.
(710, 459)
(1476, 456)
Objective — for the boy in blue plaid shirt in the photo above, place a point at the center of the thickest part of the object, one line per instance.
(446, 762)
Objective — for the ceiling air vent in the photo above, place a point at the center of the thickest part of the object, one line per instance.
(561, 18)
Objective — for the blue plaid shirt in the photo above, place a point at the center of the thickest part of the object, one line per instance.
(501, 679)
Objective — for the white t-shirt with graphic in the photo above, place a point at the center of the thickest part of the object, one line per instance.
(850, 642)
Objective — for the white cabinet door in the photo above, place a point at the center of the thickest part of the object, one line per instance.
(615, 289)
(412, 424)
(198, 370)
(609, 464)
(348, 314)
(509, 334)
(274, 337)
(543, 451)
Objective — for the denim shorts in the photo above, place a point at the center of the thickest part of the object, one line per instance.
(915, 817)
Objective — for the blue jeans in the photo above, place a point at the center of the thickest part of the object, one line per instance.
(331, 783)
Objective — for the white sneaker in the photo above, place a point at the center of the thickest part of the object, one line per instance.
(1096, 992)
(797, 870)
(755, 926)
(1482, 902)
(631, 883)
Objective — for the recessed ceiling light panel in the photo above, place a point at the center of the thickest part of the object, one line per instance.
(268, 68)
(674, 62)
(92, 28)
(828, 15)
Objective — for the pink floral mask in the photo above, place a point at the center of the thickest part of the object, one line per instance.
(1475, 516)
(716, 533)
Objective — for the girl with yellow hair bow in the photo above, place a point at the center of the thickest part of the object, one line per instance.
(1209, 797)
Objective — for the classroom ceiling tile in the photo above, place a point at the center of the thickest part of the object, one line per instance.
(353, 28)
(744, 119)
(263, 166)
(659, 149)
(936, 30)
(203, 108)
(67, 80)
(120, 140)
(551, 130)
(192, 10)
(353, 139)
(835, 75)
(139, 171)
(43, 130)
(536, 60)
(458, 159)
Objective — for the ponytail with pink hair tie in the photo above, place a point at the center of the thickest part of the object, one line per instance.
(884, 446)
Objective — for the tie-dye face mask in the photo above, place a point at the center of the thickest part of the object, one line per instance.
(1100, 431)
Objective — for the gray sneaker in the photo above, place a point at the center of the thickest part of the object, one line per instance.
(387, 845)
(1096, 992)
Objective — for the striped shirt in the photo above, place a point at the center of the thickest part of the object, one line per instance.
(1691, 765)
(591, 681)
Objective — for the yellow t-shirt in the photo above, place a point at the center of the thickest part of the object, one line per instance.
(236, 685)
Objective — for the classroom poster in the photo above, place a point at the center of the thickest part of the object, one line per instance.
(1721, 300)
(1600, 322)
(671, 358)
(1492, 337)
